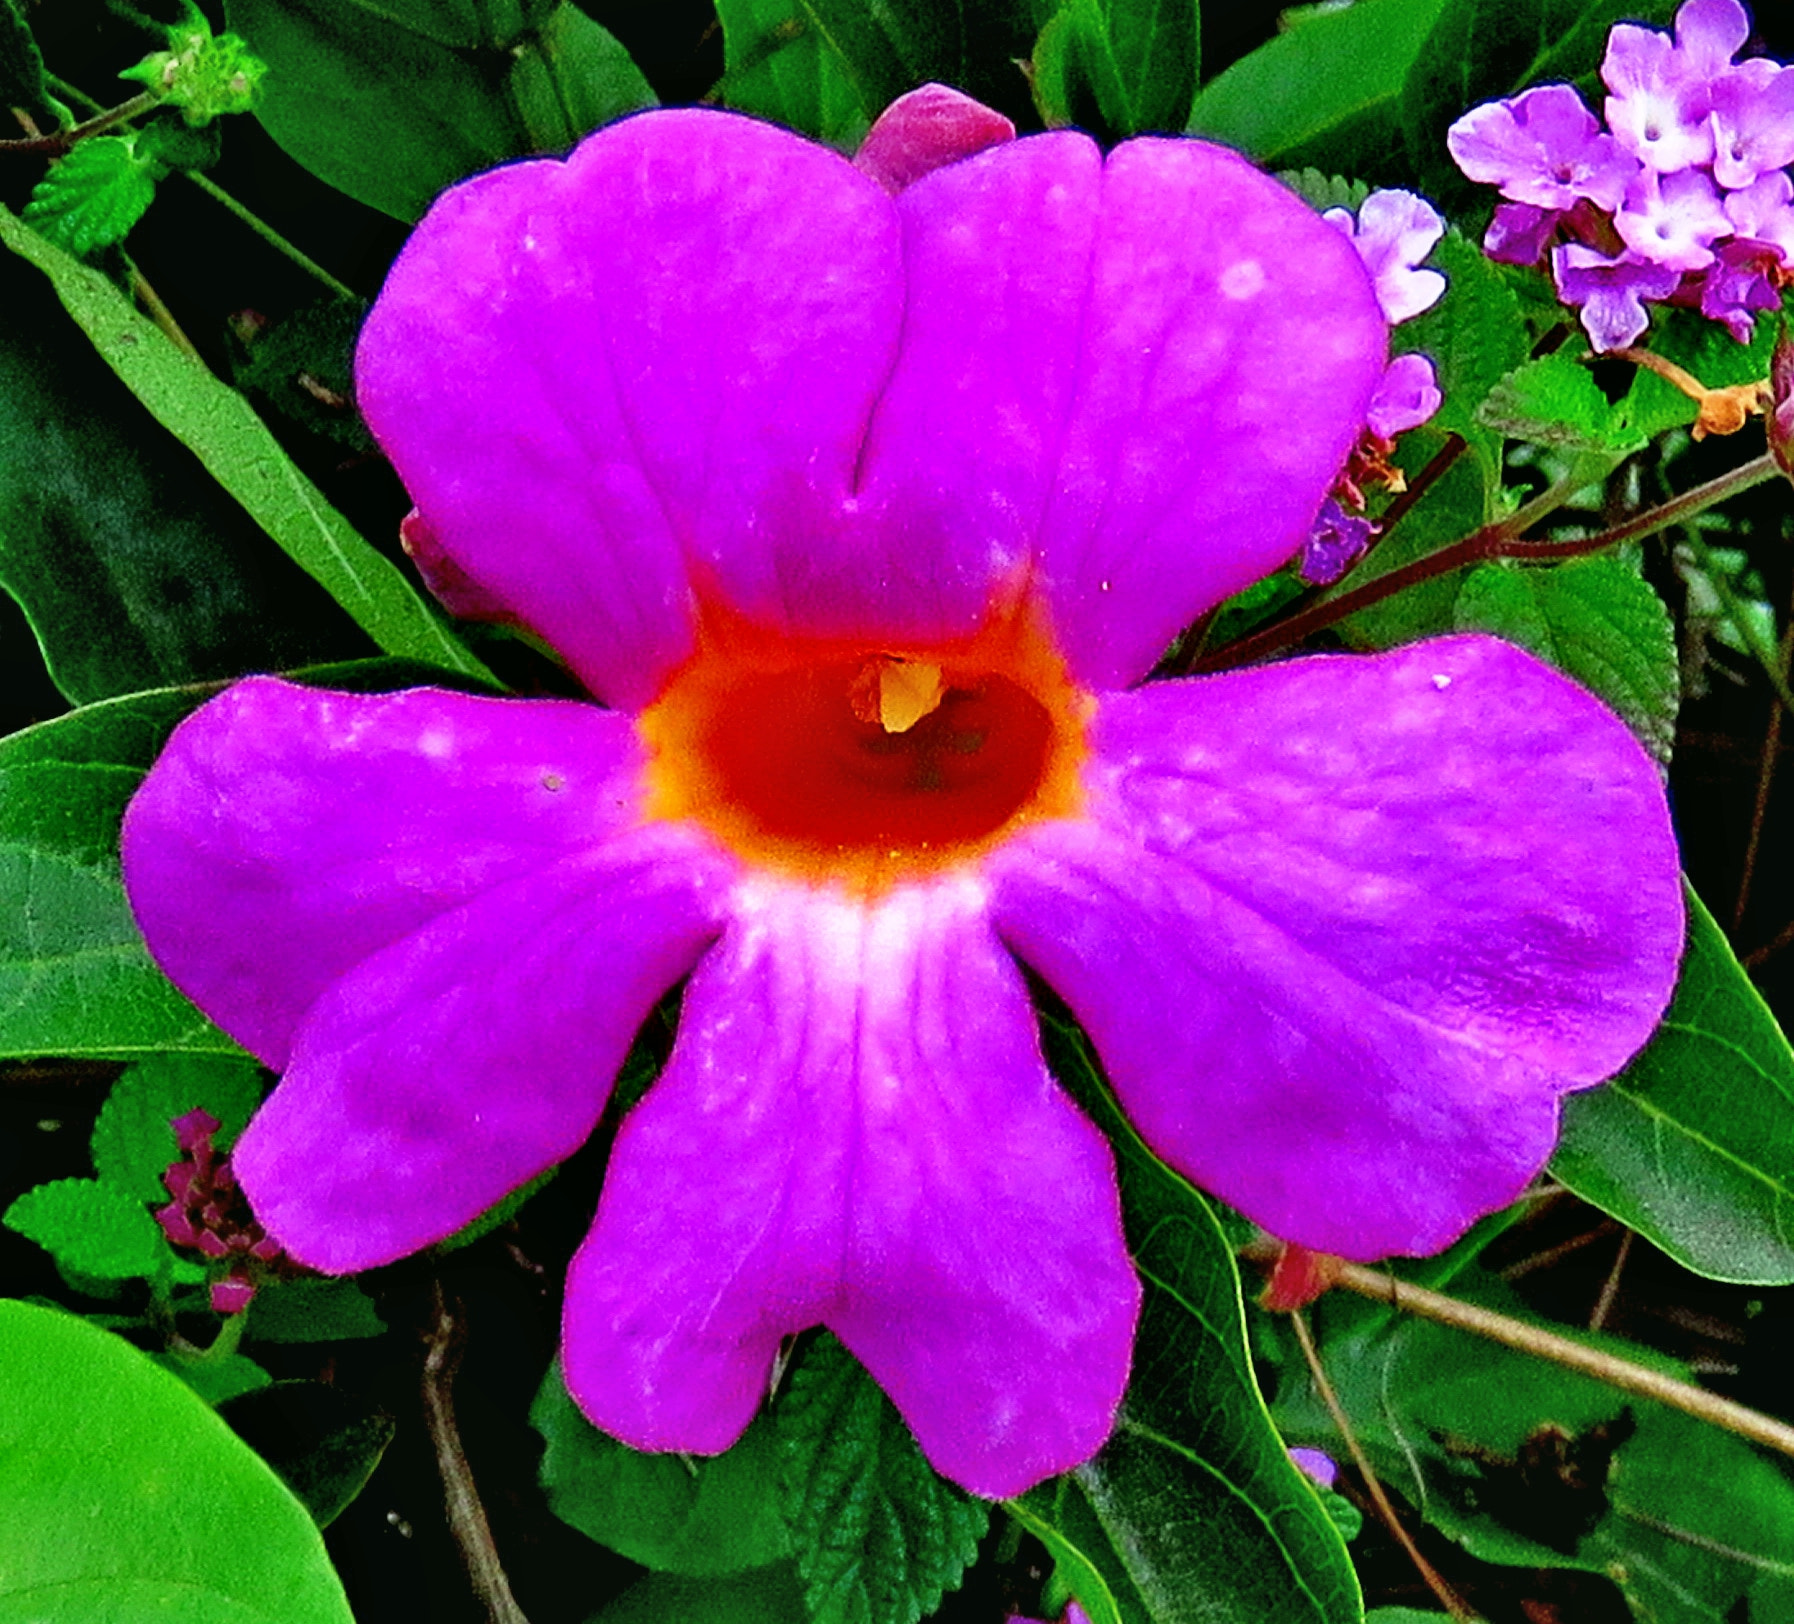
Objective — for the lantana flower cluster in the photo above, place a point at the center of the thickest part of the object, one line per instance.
(208, 1214)
(1682, 198)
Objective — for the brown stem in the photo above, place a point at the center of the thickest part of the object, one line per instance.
(1435, 1581)
(1610, 1287)
(466, 1515)
(1442, 459)
(55, 145)
(1500, 540)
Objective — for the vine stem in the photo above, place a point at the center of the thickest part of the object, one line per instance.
(1560, 1350)
(55, 145)
(1435, 1581)
(1503, 539)
(466, 1514)
(269, 235)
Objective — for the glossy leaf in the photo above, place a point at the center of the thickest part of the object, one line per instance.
(1325, 91)
(673, 1513)
(392, 103)
(877, 1535)
(1479, 50)
(782, 68)
(214, 422)
(217, 1380)
(127, 1498)
(1598, 620)
(313, 1310)
(1693, 1144)
(1134, 61)
(323, 1442)
(91, 1228)
(1193, 1511)
(133, 1140)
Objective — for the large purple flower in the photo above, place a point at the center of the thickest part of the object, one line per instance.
(864, 512)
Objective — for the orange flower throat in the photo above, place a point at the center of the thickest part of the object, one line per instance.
(863, 765)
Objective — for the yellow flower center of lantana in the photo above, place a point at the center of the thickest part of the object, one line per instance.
(863, 765)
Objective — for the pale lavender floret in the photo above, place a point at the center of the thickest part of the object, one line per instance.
(1738, 285)
(1610, 292)
(1753, 122)
(1318, 1465)
(1407, 396)
(1519, 233)
(1673, 220)
(1342, 930)
(1336, 543)
(1543, 147)
(1394, 231)
(1764, 212)
(1661, 93)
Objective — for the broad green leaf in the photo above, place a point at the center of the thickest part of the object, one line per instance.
(1326, 90)
(217, 1380)
(766, 1596)
(393, 102)
(218, 425)
(1479, 50)
(310, 1310)
(1133, 61)
(780, 67)
(1077, 80)
(1693, 1144)
(673, 1513)
(133, 1141)
(91, 1228)
(126, 1498)
(1597, 619)
(1193, 1510)
(323, 1442)
(878, 1536)
(1555, 401)
(93, 196)
(1047, 1513)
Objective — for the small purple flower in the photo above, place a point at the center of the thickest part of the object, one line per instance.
(208, 1213)
(1662, 91)
(1336, 542)
(1544, 148)
(1407, 395)
(1672, 220)
(1318, 1465)
(1739, 284)
(1763, 212)
(1753, 122)
(1393, 233)
(1519, 233)
(1610, 292)
(865, 515)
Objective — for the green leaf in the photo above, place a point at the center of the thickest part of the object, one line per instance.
(309, 1310)
(1077, 80)
(1132, 61)
(1596, 619)
(673, 1513)
(323, 1442)
(393, 102)
(1047, 1513)
(91, 1228)
(22, 69)
(218, 425)
(133, 1142)
(1701, 347)
(127, 1498)
(304, 367)
(500, 1212)
(781, 68)
(1480, 50)
(766, 1596)
(1693, 1144)
(1554, 401)
(94, 195)
(879, 1535)
(1193, 1511)
(1327, 90)
(216, 1380)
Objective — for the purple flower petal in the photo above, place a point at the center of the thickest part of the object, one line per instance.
(1070, 330)
(1393, 232)
(1335, 543)
(1518, 233)
(1739, 284)
(1661, 97)
(1764, 212)
(857, 1129)
(1407, 396)
(1543, 148)
(1318, 1465)
(1343, 929)
(1753, 122)
(1610, 293)
(657, 358)
(439, 1074)
(1709, 33)
(1672, 220)
(919, 132)
(287, 834)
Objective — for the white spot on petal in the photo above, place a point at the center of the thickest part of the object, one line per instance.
(1441, 682)
(435, 744)
(1244, 279)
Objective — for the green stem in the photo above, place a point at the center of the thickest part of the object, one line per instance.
(269, 235)
(1500, 540)
(55, 145)
(220, 1348)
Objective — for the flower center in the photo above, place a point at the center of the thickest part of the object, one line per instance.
(863, 765)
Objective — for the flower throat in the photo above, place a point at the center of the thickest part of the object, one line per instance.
(859, 764)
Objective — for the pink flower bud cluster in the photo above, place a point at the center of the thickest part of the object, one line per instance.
(209, 1214)
(1683, 198)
